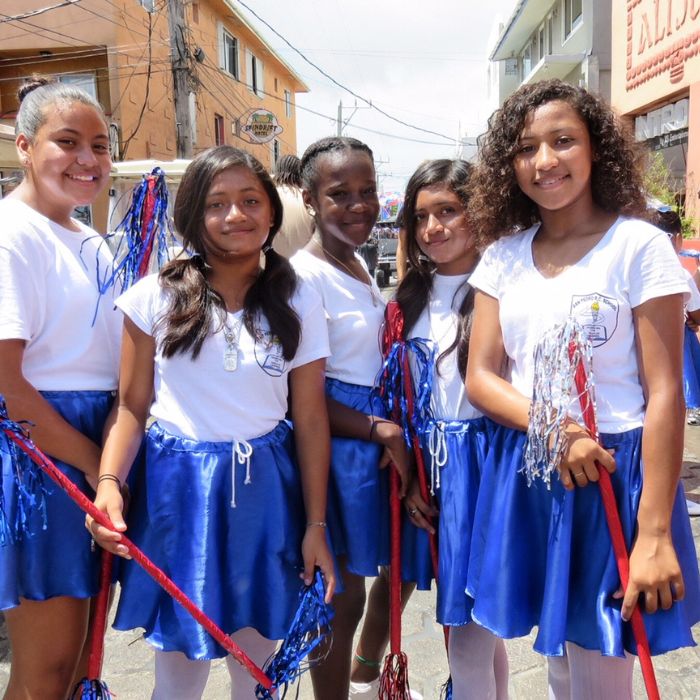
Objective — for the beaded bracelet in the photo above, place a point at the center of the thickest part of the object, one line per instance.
(317, 523)
(110, 477)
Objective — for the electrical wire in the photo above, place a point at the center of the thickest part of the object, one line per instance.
(340, 85)
(34, 13)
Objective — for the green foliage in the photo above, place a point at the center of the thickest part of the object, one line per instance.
(658, 184)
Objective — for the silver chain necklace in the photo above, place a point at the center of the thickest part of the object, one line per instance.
(232, 335)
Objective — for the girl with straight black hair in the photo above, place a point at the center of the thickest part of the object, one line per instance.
(229, 344)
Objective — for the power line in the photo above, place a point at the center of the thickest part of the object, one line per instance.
(34, 13)
(340, 85)
(333, 119)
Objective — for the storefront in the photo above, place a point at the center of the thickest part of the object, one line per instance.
(656, 83)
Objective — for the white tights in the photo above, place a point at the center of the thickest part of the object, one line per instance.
(585, 674)
(478, 664)
(179, 678)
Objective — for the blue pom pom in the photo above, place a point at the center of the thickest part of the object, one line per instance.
(446, 690)
(309, 628)
(28, 484)
(91, 690)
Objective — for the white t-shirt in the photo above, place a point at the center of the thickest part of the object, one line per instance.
(297, 224)
(355, 315)
(438, 323)
(49, 298)
(693, 304)
(630, 265)
(198, 398)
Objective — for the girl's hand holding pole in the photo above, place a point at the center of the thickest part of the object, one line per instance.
(579, 464)
(390, 436)
(654, 573)
(418, 510)
(110, 501)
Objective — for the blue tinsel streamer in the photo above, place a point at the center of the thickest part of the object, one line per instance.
(133, 244)
(390, 386)
(446, 690)
(91, 690)
(29, 483)
(309, 628)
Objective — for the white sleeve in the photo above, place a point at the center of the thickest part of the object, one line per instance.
(655, 271)
(486, 276)
(314, 343)
(694, 301)
(22, 289)
(138, 303)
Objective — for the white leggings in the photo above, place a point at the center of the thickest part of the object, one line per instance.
(585, 674)
(179, 678)
(478, 664)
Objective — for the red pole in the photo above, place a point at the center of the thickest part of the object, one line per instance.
(612, 517)
(157, 574)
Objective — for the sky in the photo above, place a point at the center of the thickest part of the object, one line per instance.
(422, 62)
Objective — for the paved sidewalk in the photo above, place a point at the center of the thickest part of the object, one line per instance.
(129, 661)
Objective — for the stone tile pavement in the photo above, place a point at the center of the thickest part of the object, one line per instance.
(128, 660)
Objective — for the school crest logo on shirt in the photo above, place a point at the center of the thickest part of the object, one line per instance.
(269, 354)
(597, 314)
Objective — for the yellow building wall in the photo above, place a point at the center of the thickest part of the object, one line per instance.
(129, 51)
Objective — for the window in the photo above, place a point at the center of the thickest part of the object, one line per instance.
(550, 34)
(218, 130)
(254, 74)
(287, 103)
(526, 61)
(541, 44)
(84, 81)
(195, 12)
(572, 15)
(228, 53)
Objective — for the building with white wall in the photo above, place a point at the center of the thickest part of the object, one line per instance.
(566, 39)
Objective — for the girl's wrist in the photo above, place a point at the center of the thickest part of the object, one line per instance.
(111, 479)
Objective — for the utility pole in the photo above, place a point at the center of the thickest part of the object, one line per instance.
(181, 73)
(342, 123)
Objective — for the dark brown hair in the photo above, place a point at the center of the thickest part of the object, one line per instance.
(193, 302)
(498, 206)
(414, 290)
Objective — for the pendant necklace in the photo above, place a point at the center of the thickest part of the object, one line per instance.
(327, 254)
(232, 335)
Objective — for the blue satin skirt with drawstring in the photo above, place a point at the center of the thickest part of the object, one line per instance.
(454, 452)
(240, 564)
(55, 561)
(358, 491)
(691, 369)
(544, 557)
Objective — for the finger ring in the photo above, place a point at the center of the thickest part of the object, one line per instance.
(579, 473)
(412, 511)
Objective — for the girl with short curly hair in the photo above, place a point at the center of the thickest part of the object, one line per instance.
(558, 188)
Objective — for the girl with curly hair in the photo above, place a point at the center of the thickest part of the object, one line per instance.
(558, 184)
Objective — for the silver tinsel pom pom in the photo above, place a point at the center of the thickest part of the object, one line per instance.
(556, 357)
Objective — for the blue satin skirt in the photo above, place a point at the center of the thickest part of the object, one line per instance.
(545, 558)
(454, 452)
(358, 491)
(55, 561)
(240, 564)
(691, 369)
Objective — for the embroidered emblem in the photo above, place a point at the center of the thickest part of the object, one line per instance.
(597, 314)
(268, 354)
